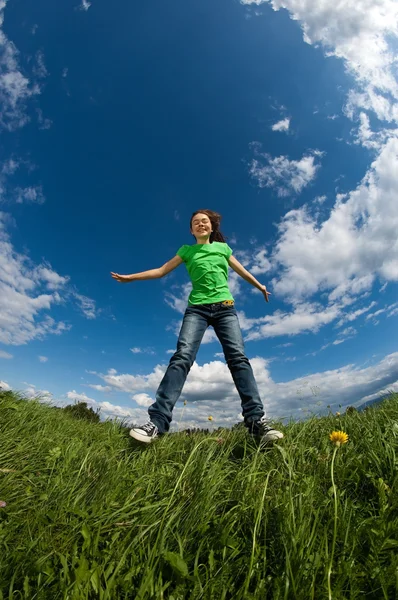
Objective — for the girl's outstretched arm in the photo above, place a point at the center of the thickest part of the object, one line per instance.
(240, 270)
(151, 274)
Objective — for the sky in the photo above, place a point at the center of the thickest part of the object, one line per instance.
(118, 121)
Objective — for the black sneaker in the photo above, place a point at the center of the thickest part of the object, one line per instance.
(261, 429)
(146, 433)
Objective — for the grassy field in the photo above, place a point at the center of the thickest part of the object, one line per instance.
(91, 515)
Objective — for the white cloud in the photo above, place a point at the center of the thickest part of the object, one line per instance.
(361, 32)
(260, 262)
(26, 290)
(4, 386)
(39, 69)
(85, 5)
(52, 279)
(391, 310)
(15, 88)
(143, 400)
(107, 409)
(87, 306)
(20, 308)
(100, 388)
(43, 122)
(32, 194)
(282, 125)
(209, 389)
(9, 167)
(4, 354)
(351, 316)
(42, 395)
(346, 252)
(79, 397)
(286, 176)
(43, 359)
(304, 318)
(368, 138)
(137, 350)
(179, 300)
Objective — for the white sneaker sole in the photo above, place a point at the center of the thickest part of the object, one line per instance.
(272, 437)
(141, 437)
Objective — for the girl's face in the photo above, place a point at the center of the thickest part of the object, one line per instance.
(201, 227)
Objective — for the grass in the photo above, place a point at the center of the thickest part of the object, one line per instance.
(91, 515)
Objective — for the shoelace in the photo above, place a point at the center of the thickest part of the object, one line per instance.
(148, 426)
(265, 423)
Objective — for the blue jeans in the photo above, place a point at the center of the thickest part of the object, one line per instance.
(196, 320)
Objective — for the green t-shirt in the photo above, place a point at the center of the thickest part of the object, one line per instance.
(207, 265)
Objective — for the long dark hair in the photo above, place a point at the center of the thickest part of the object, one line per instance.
(215, 219)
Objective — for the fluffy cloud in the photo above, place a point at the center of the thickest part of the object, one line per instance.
(286, 176)
(260, 262)
(346, 252)
(282, 125)
(209, 390)
(32, 194)
(304, 318)
(42, 395)
(107, 409)
(100, 388)
(15, 88)
(9, 192)
(20, 306)
(87, 306)
(137, 350)
(85, 5)
(361, 33)
(143, 399)
(26, 291)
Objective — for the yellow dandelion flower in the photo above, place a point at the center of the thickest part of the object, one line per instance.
(338, 437)
(210, 418)
(337, 414)
(185, 402)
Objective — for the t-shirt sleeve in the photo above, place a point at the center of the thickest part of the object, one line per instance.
(228, 251)
(182, 252)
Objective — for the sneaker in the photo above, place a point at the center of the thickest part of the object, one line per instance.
(261, 429)
(146, 433)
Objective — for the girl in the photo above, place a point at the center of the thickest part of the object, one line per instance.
(209, 303)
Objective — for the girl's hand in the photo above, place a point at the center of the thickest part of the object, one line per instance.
(266, 294)
(121, 278)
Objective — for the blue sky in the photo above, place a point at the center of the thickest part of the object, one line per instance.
(118, 121)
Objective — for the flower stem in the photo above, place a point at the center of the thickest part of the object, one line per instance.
(335, 523)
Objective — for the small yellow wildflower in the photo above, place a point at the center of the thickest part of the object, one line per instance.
(337, 414)
(210, 418)
(185, 402)
(338, 438)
